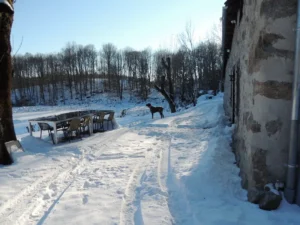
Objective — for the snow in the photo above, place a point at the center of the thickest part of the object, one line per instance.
(175, 170)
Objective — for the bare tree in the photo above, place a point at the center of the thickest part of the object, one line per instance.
(120, 68)
(187, 43)
(168, 96)
(179, 68)
(108, 53)
(178, 75)
(90, 66)
(144, 69)
(69, 66)
(186, 38)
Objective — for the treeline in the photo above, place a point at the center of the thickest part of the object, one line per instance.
(79, 72)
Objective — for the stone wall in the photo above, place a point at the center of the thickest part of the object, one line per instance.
(262, 59)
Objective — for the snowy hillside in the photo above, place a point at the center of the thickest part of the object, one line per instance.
(176, 170)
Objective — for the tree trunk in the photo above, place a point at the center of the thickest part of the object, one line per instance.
(167, 97)
(167, 66)
(7, 132)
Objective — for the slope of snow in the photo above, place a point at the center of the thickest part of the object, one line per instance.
(176, 170)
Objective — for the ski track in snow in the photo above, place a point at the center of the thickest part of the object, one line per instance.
(160, 171)
(40, 197)
(145, 184)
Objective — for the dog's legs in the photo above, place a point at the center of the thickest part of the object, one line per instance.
(152, 115)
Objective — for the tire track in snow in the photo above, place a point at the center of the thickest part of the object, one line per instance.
(127, 207)
(148, 189)
(153, 187)
(158, 179)
(78, 169)
(44, 203)
(163, 170)
(37, 199)
(18, 203)
(144, 178)
(179, 204)
(131, 205)
(168, 184)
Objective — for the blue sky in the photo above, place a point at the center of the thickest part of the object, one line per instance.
(46, 26)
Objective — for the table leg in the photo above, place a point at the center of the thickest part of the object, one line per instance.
(29, 128)
(55, 134)
(91, 125)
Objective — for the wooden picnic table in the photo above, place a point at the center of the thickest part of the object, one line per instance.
(57, 120)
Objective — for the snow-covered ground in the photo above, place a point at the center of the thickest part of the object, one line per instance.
(176, 170)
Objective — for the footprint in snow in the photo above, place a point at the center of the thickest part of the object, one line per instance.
(95, 170)
(55, 159)
(53, 187)
(46, 196)
(85, 199)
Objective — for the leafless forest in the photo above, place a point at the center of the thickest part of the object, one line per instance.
(79, 72)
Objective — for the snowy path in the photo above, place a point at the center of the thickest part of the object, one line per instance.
(176, 170)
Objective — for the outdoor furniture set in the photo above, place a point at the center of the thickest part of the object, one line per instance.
(74, 124)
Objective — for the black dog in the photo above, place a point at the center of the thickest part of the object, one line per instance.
(156, 109)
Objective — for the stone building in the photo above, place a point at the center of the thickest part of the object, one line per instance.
(258, 71)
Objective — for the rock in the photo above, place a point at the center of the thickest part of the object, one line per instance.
(270, 201)
(255, 196)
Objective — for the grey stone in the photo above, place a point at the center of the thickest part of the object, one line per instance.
(250, 123)
(282, 8)
(273, 127)
(259, 166)
(270, 201)
(264, 54)
(255, 196)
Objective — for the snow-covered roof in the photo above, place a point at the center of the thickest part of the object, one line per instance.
(7, 4)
